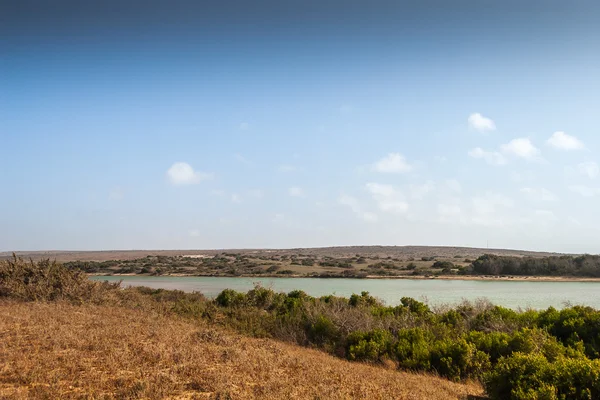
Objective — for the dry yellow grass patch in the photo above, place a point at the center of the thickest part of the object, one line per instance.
(54, 350)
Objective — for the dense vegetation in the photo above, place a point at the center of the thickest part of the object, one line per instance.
(549, 354)
(585, 265)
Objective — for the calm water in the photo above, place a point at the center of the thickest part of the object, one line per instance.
(506, 293)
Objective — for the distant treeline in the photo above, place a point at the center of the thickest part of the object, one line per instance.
(585, 265)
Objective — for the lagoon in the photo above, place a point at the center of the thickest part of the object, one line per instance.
(512, 294)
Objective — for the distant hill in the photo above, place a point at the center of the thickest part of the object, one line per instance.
(404, 252)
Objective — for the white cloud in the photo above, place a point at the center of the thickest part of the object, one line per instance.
(394, 163)
(545, 215)
(420, 191)
(480, 123)
(388, 198)
(182, 173)
(490, 203)
(521, 147)
(562, 141)
(589, 169)
(454, 185)
(585, 191)
(354, 205)
(236, 198)
(539, 194)
(295, 191)
(240, 158)
(490, 157)
(244, 126)
(522, 176)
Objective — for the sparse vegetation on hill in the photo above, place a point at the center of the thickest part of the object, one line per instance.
(546, 354)
(238, 264)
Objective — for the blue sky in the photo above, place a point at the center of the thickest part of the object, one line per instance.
(220, 125)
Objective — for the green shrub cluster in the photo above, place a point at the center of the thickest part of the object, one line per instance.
(530, 354)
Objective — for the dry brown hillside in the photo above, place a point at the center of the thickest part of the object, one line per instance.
(56, 350)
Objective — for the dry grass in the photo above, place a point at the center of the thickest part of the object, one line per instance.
(57, 350)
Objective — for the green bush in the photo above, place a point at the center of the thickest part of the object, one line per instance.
(230, 298)
(532, 376)
(369, 346)
(323, 332)
(413, 349)
(458, 359)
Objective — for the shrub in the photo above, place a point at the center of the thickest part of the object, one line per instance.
(413, 349)
(273, 268)
(285, 272)
(323, 331)
(458, 359)
(47, 280)
(230, 298)
(415, 306)
(532, 376)
(370, 346)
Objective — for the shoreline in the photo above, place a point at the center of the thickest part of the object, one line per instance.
(511, 278)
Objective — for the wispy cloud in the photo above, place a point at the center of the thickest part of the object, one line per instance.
(182, 173)
(539, 194)
(454, 185)
(489, 209)
(295, 191)
(241, 159)
(388, 198)
(393, 163)
(562, 141)
(522, 176)
(490, 157)
(354, 205)
(480, 123)
(589, 169)
(418, 192)
(585, 191)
